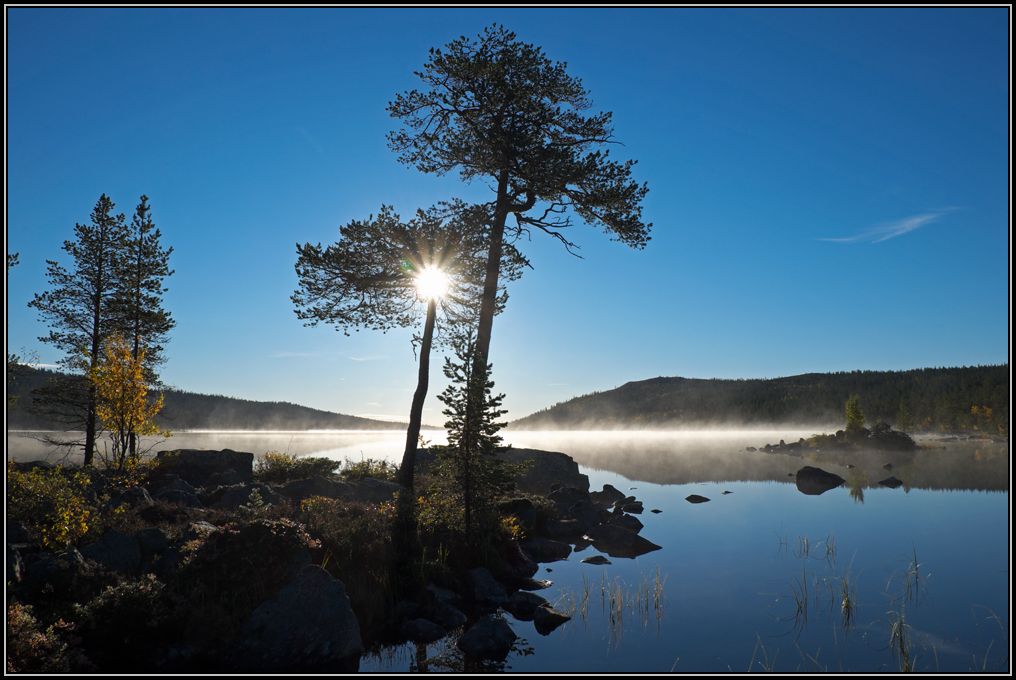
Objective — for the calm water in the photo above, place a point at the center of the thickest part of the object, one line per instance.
(753, 579)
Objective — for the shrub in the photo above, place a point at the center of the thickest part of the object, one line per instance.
(122, 628)
(30, 649)
(231, 571)
(52, 503)
(358, 549)
(275, 467)
(370, 467)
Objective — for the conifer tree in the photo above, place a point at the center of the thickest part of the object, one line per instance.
(80, 309)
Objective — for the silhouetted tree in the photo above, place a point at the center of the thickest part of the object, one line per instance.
(497, 109)
(142, 266)
(466, 469)
(368, 280)
(79, 308)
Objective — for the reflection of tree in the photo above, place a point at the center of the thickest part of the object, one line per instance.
(856, 483)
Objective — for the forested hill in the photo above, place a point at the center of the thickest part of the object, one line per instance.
(190, 411)
(928, 399)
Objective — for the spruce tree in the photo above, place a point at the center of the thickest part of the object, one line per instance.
(80, 309)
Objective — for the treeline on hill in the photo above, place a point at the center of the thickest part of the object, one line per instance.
(187, 410)
(963, 399)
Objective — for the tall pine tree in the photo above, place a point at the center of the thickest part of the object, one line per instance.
(80, 307)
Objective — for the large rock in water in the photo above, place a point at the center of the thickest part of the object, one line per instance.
(207, 468)
(308, 627)
(815, 481)
(619, 542)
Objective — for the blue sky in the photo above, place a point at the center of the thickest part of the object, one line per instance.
(828, 187)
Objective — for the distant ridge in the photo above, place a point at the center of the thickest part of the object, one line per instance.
(972, 398)
(192, 411)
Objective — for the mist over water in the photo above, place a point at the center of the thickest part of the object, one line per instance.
(658, 456)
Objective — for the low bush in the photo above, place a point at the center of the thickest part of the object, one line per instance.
(32, 649)
(57, 506)
(277, 468)
(369, 467)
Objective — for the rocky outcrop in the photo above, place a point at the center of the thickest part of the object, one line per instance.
(308, 627)
(484, 589)
(207, 468)
(115, 551)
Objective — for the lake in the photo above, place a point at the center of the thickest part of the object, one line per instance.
(753, 579)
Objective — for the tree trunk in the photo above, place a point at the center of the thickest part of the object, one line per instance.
(489, 301)
(406, 470)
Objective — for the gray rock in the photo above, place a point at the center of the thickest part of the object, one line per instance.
(634, 508)
(484, 589)
(727, 493)
(15, 565)
(152, 541)
(422, 630)
(563, 529)
(587, 514)
(544, 468)
(567, 496)
(535, 584)
(116, 551)
(695, 498)
(522, 604)
(546, 619)
(207, 468)
(619, 542)
(309, 626)
(199, 529)
(187, 500)
(134, 497)
(170, 482)
(61, 575)
(656, 511)
(522, 508)
(814, 481)
(607, 497)
(546, 550)
(628, 522)
(596, 559)
(489, 638)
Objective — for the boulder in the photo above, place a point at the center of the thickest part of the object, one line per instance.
(523, 509)
(207, 468)
(489, 638)
(171, 482)
(544, 468)
(308, 627)
(587, 514)
(15, 565)
(656, 511)
(199, 529)
(695, 498)
(628, 522)
(64, 576)
(116, 551)
(183, 498)
(619, 542)
(607, 497)
(484, 588)
(134, 497)
(515, 564)
(634, 507)
(891, 482)
(567, 496)
(422, 631)
(596, 559)
(563, 529)
(522, 604)
(815, 481)
(546, 550)
(152, 541)
(535, 584)
(546, 619)
(445, 615)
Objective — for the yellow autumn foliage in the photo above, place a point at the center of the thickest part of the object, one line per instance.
(122, 404)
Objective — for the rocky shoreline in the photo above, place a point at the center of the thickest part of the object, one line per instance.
(212, 569)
